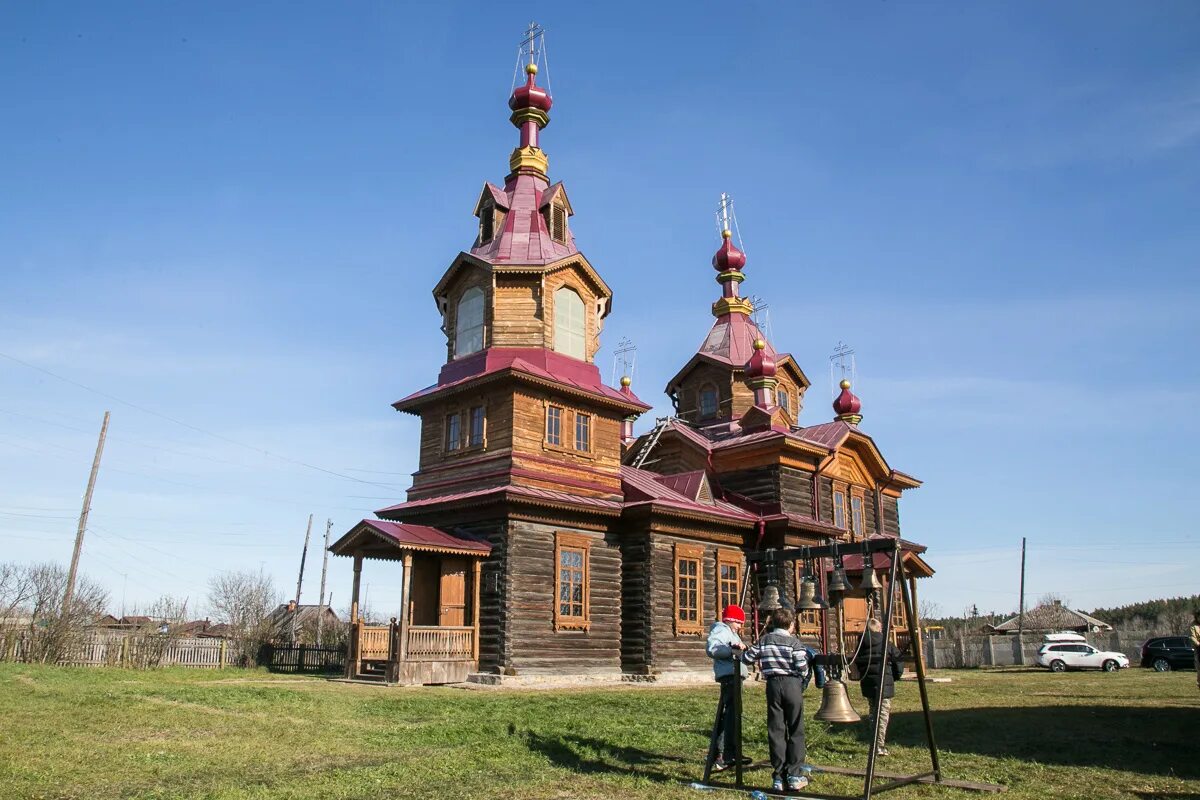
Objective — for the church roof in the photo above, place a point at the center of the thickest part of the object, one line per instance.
(531, 494)
(523, 239)
(406, 536)
(643, 487)
(538, 364)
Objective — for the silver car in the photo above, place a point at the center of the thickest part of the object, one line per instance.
(1061, 656)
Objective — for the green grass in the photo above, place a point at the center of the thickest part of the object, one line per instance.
(107, 733)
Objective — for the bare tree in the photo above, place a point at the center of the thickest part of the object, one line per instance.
(167, 616)
(244, 601)
(1052, 598)
(54, 632)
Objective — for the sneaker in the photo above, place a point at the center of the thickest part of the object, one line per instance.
(881, 752)
(720, 765)
(777, 785)
(795, 784)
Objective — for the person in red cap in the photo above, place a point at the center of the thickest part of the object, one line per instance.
(725, 648)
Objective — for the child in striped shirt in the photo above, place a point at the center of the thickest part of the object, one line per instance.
(783, 660)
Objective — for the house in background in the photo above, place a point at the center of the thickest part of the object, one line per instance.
(290, 621)
(540, 536)
(1053, 617)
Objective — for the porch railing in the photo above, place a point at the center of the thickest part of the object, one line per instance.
(436, 643)
(374, 642)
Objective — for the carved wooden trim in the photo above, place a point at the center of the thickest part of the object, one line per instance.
(692, 553)
(565, 541)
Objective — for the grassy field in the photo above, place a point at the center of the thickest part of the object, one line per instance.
(101, 733)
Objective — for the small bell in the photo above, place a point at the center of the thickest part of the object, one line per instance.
(835, 703)
(837, 580)
(808, 596)
(870, 582)
(770, 598)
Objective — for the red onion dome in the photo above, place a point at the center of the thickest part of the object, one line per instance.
(760, 365)
(530, 95)
(728, 258)
(846, 403)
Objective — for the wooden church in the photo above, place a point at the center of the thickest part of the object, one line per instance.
(540, 537)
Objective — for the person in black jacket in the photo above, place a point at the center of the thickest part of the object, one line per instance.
(874, 667)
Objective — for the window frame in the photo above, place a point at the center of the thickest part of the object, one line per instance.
(452, 422)
(487, 223)
(565, 541)
(558, 419)
(460, 332)
(783, 400)
(695, 554)
(840, 508)
(586, 419)
(716, 404)
(858, 516)
(563, 331)
(472, 442)
(728, 558)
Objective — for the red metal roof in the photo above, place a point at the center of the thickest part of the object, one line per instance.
(537, 362)
(685, 483)
(524, 238)
(529, 492)
(404, 534)
(642, 486)
(827, 434)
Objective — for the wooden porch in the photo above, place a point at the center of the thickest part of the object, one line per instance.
(436, 638)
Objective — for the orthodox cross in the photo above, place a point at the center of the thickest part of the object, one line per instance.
(841, 367)
(624, 359)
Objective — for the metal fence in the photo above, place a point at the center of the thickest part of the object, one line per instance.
(949, 652)
(303, 658)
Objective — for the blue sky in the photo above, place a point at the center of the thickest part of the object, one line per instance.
(232, 217)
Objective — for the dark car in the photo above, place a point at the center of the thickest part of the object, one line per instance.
(1165, 653)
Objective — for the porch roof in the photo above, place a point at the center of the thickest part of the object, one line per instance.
(381, 539)
(853, 562)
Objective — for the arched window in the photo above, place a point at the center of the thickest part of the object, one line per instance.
(468, 322)
(708, 401)
(570, 323)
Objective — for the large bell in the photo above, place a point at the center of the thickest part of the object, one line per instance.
(770, 598)
(835, 704)
(807, 601)
(837, 580)
(870, 581)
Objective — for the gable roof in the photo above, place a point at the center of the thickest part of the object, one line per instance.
(1054, 617)
(730, 343)
(643, 487)
(406, 536)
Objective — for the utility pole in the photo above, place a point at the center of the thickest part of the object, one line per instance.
(300, 579)
(83, 518)
(324, 570)
(1021, 607)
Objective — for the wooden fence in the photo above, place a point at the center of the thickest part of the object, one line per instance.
(440, 643)
(302, 658)
(136, 651)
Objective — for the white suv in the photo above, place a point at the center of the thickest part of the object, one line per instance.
(1061, 656)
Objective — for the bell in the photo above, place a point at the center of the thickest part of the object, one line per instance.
(808, 596)
(770, 598)
(837, 580)
(870, 582)
(835, 704)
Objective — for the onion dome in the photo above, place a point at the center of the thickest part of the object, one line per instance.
(847, 405)
(762, 365)
(728, 258)
(530, 95)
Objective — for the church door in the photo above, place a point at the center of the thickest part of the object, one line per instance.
(453, 592)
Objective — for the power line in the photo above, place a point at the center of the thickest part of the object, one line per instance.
(189, 426)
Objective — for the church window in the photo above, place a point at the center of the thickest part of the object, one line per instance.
(468, 322)
(475, 431)
(708, 401)
(689, 590)
(487, 219)
(569, 323)
(856, 514)
(583, 432)
(571, 581)
(784, 401)
(554, 425)
(729, 579)
(453, 432)
(839, 509)
(555, 217)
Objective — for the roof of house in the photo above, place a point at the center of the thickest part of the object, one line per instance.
(408, 536)
(1053, 617)
(645, 487)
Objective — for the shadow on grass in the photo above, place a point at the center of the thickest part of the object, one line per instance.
(586, 755)
(1152, 741)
